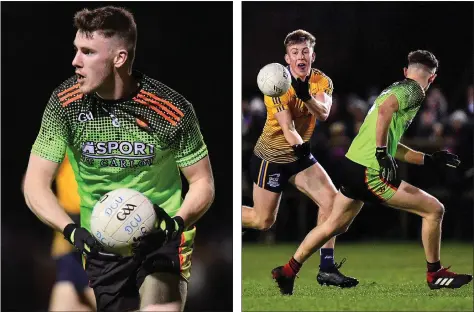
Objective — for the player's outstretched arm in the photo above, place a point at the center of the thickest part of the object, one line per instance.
(285, 120)
(406, 154)
(38, 193)
(200, 194)
(320, 105)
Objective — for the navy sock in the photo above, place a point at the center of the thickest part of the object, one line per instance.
(327, 258)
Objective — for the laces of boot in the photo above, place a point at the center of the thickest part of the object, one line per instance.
(338, 265)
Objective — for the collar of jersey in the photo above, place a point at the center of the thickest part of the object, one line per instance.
(139, 77)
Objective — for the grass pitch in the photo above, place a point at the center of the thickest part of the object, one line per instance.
(392, 278)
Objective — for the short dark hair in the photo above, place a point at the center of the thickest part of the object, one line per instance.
(299, 36)
(423, 57)
(109, 21)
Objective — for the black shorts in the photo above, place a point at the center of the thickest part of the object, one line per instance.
(116, 284)
(69, 269)
(274, 176)
(365, 184)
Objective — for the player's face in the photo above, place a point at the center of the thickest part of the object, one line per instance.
(300, 56)
(93, 61)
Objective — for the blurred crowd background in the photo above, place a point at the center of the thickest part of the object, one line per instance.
(37, 53)
(363, 48)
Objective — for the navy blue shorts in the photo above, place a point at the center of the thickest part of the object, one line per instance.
(69, 269)
(275, 176)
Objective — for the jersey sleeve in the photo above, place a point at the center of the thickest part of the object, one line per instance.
(51, 141)
(327, 85)
(277, 104)
(188, 145)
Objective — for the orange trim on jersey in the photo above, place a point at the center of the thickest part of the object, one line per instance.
(177, 110)
(141, 123)
(171, 121)
(68, 89)
(61, 99)
(77, 97)
(141, 96)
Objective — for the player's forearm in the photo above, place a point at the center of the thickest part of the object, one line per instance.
(319, 106)
(383, 123)
(406, 154)
(44, 204)
(292, 136)
(197, 201)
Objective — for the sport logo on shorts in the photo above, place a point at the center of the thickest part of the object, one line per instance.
(273, 180)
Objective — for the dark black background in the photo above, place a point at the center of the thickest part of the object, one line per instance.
(185, 45)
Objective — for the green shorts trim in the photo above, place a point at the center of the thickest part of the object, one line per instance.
(381, 188)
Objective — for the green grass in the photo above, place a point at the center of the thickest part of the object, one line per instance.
(392, 278)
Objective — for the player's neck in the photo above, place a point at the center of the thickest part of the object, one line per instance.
(421, 81)
(119, 87)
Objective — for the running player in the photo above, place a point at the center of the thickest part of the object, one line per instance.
(71, 291)
(282, 153)
(121, 128)
(371, 173)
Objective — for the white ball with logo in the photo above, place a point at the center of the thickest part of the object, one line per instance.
(274, 80)
(121, 216)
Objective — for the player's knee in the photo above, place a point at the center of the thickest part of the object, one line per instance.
(437, 210)
(265, 223)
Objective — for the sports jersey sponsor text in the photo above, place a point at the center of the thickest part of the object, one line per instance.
(118, 154)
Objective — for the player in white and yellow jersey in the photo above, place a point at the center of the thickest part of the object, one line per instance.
(282, 154)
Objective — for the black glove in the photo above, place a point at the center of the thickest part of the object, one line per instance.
(302, 150)
(442, 158)
(301, 88)
(388, 166)
(168, 229)
(85, 243)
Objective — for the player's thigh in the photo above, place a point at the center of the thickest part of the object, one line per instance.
(412, 199)
(265, 202)
(64, 297)
(162, 288)
(316, 184)
(90, 298)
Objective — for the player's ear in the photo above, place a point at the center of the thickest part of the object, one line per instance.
(405, 71)
(120, 58)
(287, 59)
(432, 78)
(313, 57)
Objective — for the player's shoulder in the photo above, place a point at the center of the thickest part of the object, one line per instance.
(155, 90)
(67, 92)
(318, 75)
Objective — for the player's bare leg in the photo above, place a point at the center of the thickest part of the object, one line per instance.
(163, 290)
(411, 199)
(315, 183)
(64, 297)
(90, 297)
(343, 212)
(265, 207)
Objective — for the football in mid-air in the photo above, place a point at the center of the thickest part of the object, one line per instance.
(274, 80)
(119, 217)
